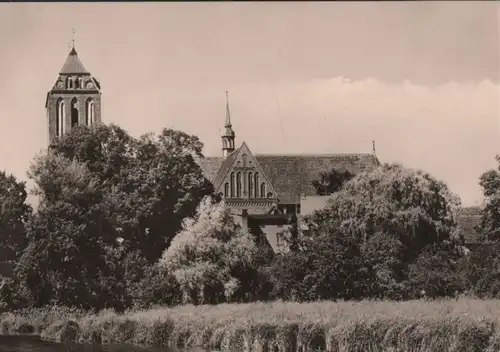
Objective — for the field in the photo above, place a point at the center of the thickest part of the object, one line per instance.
(464, 324)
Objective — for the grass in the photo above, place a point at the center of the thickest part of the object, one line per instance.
(461, 325)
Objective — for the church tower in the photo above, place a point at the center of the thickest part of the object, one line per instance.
(75, 98)
(228, 136)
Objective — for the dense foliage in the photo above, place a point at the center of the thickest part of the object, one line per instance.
(132, 222)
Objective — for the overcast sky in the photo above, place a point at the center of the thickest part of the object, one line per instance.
(419, 78)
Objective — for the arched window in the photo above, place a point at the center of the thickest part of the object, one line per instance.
(89, 112)
(60, 118)
(69, 82)
(262, 190)
(226, 190)
(74, 112)
(232, 184)
(256, 185)
(250, 185)
(77, 83)
(238, 185)
(80, 82)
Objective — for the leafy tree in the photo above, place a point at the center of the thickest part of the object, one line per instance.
(490, 220)
(65, 259)
(211, 256)
(332, 181)
(412, 206)
(14, 212)
(158, 287)
(482, 270)
(327, 267)
(109, 205)
(152, 182)
(438, 272)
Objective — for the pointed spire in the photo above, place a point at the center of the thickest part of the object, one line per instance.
(228, 136)
(73, 65)
(228, 115)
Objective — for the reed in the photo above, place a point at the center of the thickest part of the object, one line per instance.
(465, 324)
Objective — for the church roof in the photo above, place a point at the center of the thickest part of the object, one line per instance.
(292, 175)
(467, 220)
(73, 65)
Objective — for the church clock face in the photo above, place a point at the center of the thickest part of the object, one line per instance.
(89, 85)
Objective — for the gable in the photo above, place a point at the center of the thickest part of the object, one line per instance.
(242, 165)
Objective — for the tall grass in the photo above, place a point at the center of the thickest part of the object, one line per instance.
(465, 324)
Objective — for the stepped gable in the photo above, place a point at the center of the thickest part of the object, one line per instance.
(292, 175)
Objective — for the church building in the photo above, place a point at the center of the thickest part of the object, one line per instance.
(264, 191)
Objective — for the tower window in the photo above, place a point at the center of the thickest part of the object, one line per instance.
(69, 82)
(60, 118)
(226, 190)
(74, 112)
(90, 112)
(263, 190)
(80, 82)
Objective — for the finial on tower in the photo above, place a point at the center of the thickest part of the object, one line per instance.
(228, 115)
(73, 39)
(373, 142)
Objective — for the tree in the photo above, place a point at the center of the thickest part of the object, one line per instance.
(151, 183)
(211, 256)
(109, 205)
(65, 260)
(331, 182)
(14, 212)
(438, 272)
(412, 206)
(490, 220)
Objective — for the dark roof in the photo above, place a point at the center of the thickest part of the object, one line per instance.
(292, 175)
(210, 166)
(224, 168)
(73, 64)
(468, 219)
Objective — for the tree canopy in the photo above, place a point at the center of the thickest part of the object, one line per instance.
(105, 197)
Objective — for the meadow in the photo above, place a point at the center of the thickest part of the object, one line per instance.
(464, 324)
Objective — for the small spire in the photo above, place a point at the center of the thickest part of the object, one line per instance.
(228, 115)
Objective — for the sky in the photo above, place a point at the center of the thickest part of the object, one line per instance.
(421, 79)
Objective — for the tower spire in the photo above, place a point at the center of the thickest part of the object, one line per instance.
(228, 136)
(73, 39)
(228, 114)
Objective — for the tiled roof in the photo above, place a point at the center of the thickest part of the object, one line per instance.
(210, 166)
(292, 175)
(224, 168)
(73, 64)
(467, 220)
